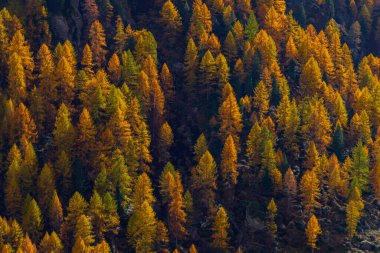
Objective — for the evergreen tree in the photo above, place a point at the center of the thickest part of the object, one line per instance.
(271, 214)
(56, 212)
(360, 165)
(310, 190)
(45, 188)
(142, 228)
(64, 132)
(230, 119)
(204, 180)
(86, 137)
(87, 61)
(114, 68)
(220, 238)
(16, 78)
(251, 27)
(98, 43)
(200, 147)
(171, 20)
(313, 230)
(228, 164)
(83, 229)
(190, 68)
(32, 221)
(176, 213)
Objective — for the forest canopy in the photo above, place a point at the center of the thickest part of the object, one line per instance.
(189, 126)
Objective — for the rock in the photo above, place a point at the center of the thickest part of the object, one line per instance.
(59, 27)
(366, 245)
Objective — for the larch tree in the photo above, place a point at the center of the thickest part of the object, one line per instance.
(45, 188)
(200, 147)
(63, 173)
(142, 191)
(20, 46)
(200, 19)
(166, 140)
(79, 246)
(102, 247)
(261, 100)
(207, 75)
(86, 137)
(25, 126)
(230, 48)
(230, 119)
(120, 37)
(114, 68)
(228, 165)
(311, 78)
(176, 213)
(162, 238)
(64, 131)
(312, 231)
(65, 81)
(271, 216)
(167, 84)
(312, 158)
(290, 184)
(87, 61)
(142, 228)
(47, 80)
(253, 145)
(121, 129)
(56, 212)
(317, 125)
(360, 165)
(53, 243)
(220, 238)
(310, 190)
(129, 70)
(76, 208)
(98, 43)
(13, 197)
(204, 180)
(32, 221)
(27, 245)
(193, 249)
(167, 182)
(190, 68)
(17, 78)
(84, 230)
(171, 20)
(354, 212)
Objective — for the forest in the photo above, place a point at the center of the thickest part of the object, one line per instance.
(186, 126)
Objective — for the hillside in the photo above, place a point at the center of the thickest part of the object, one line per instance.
(189, 126)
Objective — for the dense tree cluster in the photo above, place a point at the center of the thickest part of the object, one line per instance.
(195, 129)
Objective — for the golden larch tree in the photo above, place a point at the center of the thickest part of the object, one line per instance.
(228, 165)
(220, 238)
(310, 189)
(98, 43)
(230, 119)
(312, 231)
